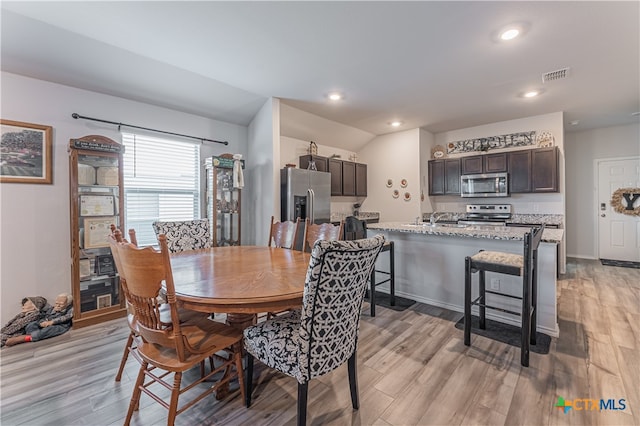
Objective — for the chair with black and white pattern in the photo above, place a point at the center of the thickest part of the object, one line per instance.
(185, 235)
(322, 336)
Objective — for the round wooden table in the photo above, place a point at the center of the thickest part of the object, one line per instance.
(240, 281)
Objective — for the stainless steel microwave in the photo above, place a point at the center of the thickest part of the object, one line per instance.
(485, 185)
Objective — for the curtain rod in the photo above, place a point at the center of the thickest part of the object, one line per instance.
(77, 116)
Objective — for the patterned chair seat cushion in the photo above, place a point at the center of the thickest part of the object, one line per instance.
(275, 342)
(499, 258)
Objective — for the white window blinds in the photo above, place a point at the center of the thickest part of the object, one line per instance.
(161, 182)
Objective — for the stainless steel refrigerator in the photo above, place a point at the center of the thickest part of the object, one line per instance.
(305, 194)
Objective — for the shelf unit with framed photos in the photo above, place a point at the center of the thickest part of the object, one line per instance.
(223, 201)
(96, 202)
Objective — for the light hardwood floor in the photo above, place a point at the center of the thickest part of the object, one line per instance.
(413, 369)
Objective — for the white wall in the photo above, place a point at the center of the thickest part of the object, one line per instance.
(34, 219)
(582, 149)
(427, 141)
(521, 203)
(263, 177)
(393, 156)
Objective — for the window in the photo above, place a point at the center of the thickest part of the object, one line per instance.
(161, 182)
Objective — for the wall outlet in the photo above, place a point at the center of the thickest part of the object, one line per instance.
(536, 208)
(495, 284)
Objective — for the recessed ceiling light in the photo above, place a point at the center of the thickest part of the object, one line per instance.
(531, 93)
(510, 34)
(574, 122)
(395, 123)
(335, 96)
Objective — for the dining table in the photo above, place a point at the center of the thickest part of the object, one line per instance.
(240, 281)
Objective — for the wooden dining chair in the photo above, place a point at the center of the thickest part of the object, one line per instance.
(173, 347)
(130, 346)
(283, 234)
(323, 336)
(185, 235)
(324, 231)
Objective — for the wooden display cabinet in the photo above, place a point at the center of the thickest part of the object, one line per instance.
(223, 201)
(96, 202)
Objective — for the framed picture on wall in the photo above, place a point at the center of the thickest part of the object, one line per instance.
(26, 153)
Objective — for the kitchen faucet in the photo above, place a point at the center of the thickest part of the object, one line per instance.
(434, 218)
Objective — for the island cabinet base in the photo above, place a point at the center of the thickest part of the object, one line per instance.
(430, 269)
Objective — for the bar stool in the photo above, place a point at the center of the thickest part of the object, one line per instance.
(356, 229)
(511, 264)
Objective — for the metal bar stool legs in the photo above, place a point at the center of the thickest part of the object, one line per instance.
(389, 246)
(524, 266)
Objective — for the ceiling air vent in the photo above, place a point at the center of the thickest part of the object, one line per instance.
(555, 75)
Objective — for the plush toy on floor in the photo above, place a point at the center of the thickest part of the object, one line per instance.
(55, 322)
(32, 308)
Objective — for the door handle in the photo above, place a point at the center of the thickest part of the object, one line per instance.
(603, 215)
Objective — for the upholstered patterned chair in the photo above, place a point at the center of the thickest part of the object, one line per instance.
(185, 235)
(324, 335)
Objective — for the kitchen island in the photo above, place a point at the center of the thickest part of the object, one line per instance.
(429, 266)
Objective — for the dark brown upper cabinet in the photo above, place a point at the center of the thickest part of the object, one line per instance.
(544, 167)
(533, 170)
(335, 168)
(361, 180)
(321, 162)
(444, 177)
(487, 163)
(348, 178)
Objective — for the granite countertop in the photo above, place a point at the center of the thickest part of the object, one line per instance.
(470, 231)
(337, 217)
(521, 219)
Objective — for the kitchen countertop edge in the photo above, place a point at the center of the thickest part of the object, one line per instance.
(472, 231)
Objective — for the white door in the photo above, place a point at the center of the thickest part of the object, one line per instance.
(619, 234)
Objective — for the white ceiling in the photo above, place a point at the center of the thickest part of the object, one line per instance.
(432, 65)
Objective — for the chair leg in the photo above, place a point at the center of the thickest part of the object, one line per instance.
(526, 320)
(302, 403)
(237, 355)
(353, 381)
(534, 300)
(392, 272)
(248, 381)
(483, 300)
(125, 356)
(467, 301)
(173, 404)
(135, 398)
(372, 291)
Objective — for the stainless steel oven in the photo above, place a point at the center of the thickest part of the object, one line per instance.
(487, 214)
(485, 185)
